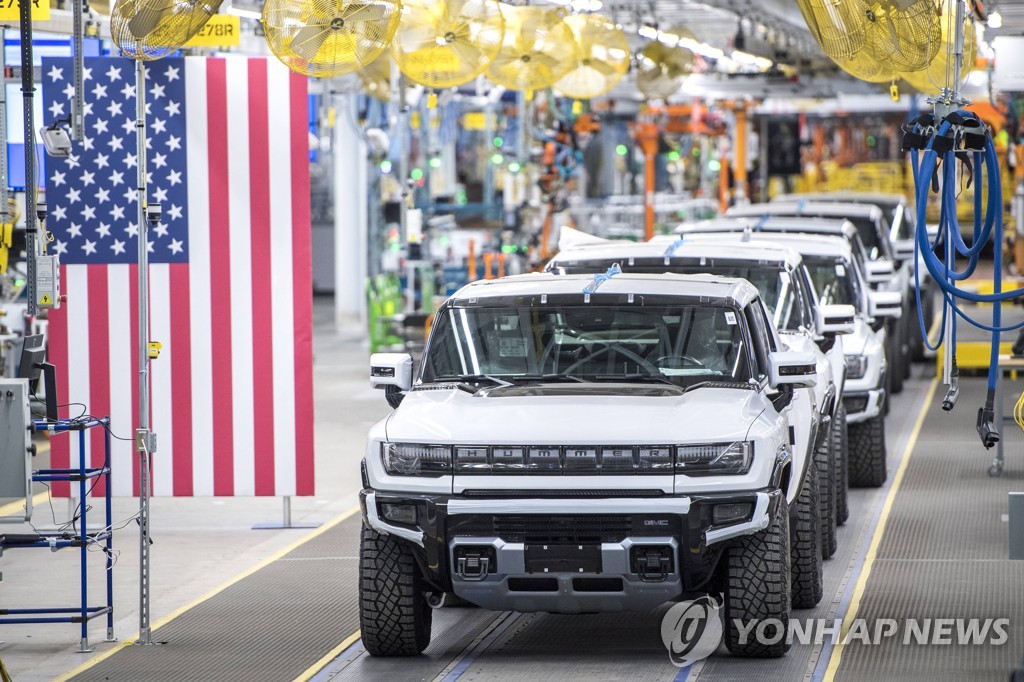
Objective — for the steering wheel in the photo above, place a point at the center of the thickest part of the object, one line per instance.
(646, 364)
(678, 361)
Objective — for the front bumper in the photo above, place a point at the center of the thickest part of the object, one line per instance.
(613, 532)
(863, 405)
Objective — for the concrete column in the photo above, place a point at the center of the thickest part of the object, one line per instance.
(351, 245)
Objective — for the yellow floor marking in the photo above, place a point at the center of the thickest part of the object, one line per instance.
(876, 538)
(212, 593)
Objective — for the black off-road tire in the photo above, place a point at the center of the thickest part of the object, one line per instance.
(806, 544)
(394, 616)
(757, 588)
(824, 461)
(867, 453)
(841, 449)
(894, 353)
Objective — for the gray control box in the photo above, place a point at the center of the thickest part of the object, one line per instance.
(15, 446)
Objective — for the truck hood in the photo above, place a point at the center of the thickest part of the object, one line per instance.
(596, 414)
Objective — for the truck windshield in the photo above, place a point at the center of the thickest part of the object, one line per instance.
(833, 281)
(778, 292)
(681, 344)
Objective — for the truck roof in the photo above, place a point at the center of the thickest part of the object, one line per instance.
(534, 285)
(877, 198)
(827, 209)
(680, 248)
(759, 223)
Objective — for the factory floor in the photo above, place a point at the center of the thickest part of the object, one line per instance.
(931, 543)
(198, 543)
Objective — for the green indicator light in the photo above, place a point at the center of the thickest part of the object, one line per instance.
(385, 167)
(19, 282)
(416, 173)
(498, 141)
(435, 162)
(871, 140)
(714, 165)
(514, 167)
(621, 149)
(673, 155)
(508, 248)
(695, 152)
(497, 159)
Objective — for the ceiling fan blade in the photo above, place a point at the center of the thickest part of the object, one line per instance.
(308, 40)
(365, 11)
(148, 18)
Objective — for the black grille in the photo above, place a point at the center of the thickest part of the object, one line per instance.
(857, 403)
(597, 584)
(542, 529)
(533, 584)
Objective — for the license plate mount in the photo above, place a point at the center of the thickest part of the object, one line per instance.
(563, 558)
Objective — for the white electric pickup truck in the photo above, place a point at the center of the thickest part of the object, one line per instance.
(577, 443)
(838, 278)
(887, 273)
(786, 290)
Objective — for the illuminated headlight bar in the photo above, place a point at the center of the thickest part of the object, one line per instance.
(856, 366)
(405, 459)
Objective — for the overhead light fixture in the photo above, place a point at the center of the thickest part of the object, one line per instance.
(240, 12)
(648, 31)
(995, 20)
(745, 58)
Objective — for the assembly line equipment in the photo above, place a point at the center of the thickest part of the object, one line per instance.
(86, 477)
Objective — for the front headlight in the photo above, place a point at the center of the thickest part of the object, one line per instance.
(856, 366)
(714, 458)
(409, 459)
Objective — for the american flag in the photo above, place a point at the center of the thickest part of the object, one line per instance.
(230, 280)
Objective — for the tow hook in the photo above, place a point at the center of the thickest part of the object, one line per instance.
(652, 564)
(474, 564)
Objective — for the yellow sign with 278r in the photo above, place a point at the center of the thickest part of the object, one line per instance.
(9, 10)
(222, 30)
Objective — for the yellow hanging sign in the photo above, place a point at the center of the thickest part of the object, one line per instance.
(222, 30)
(10, 10)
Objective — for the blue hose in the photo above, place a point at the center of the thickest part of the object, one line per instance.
(987, 224)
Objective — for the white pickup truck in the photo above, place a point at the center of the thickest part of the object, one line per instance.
(838, 278)
(578, 444)
(786, 290)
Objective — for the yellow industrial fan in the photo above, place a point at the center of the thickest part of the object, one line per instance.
(601, 59)
(661, 68)
(866, 68)
(837, 25)
(325, 38)
(151, 29)
(444, 43)
(536, 51)
(931, 80)
(901, 34)
(376, 78)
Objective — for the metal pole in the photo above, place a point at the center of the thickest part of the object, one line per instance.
(27, 90)
(110, 534)
(143, 440)
(83, 537)
(77, 102)
(949, 101)
(4, 180)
